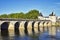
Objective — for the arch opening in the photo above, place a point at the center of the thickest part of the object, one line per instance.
(33, 27)
(16, 25)
(16, 28)
(38, 26)
(25, 26)
(43, 26)
(4, 26)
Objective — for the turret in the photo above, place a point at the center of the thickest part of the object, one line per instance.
(40, 16)
(52, 14)
(52, 17)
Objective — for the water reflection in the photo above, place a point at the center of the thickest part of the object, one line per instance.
(52, 30)
(4, 35)
(17, 32)
(11, 32)
(22, 34)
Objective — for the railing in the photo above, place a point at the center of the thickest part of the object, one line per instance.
(17, 19)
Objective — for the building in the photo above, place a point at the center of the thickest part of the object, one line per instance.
(52, 17)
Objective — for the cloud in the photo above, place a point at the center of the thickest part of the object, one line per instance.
(57, 3)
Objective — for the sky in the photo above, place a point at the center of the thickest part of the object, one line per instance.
(46, 7)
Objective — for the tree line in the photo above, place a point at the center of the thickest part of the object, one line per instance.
(32, 14)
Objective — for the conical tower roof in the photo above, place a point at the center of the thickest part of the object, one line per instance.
(40, 14)
(52, 14)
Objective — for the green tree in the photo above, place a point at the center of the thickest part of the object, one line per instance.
(32, 14)
(4, 16)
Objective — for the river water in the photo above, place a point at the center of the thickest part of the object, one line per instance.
(25, 35)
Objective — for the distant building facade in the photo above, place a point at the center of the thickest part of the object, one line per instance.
(51, 17)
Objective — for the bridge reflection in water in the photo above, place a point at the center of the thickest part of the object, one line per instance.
(12, 34)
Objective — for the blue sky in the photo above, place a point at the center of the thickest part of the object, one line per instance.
(44, 6)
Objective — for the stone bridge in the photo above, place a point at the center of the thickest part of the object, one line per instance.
(23, 23)
(27, 25)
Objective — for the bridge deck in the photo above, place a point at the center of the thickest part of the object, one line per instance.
(14, 19)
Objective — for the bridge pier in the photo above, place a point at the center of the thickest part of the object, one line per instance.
(21, 28)
(45, 26)
(41, 26)
(36, 26)
(11, 28)
(29, 27)
(11, 25)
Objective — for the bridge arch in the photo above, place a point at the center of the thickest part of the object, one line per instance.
(38, 26)
(25, 27)
(16, 25)
(41, 26)
(49, 24)
(46, 24)
(33, 26)
(5, 25)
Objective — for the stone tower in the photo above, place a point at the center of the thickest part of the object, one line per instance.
(52, 17)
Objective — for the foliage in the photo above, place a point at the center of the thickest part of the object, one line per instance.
(32, 14)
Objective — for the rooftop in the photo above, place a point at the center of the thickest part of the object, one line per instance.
(52, 14)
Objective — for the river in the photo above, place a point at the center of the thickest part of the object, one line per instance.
(28, 35)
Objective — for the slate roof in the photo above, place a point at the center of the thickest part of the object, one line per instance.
(52, 14)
